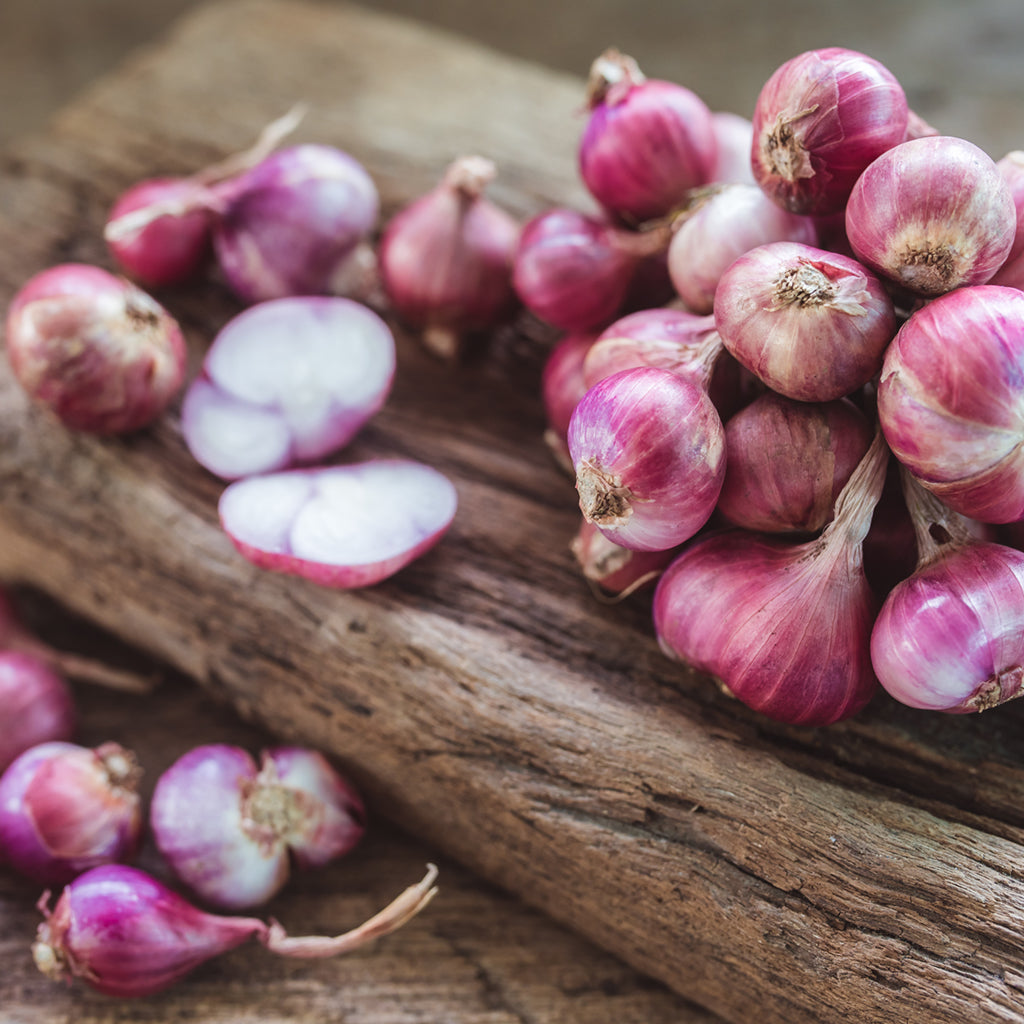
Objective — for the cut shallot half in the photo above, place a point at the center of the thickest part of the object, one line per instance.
(340, 526)
(287, 381)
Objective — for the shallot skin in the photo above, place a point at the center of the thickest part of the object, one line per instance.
(932, 214)
(128, 935)
(812, 325)
(290, 224)
(96, 350)
(647, 142)
(951, 400)
(649, 453)
(36, 703)
(739, 606)
(951, 636)
(819, 120)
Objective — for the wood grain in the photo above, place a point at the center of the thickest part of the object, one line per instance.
(871, 871)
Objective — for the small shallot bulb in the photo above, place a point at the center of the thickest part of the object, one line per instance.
(734, 135)
(230, 829)
(562, 386)
(950, 637)
(951, 400)
(36, 705)
(670, 339)
(820, 119)
(126, 934)
(165, 248)
(339, 526)
(649, 453)
(287, 381)
(728, 222)
(94, 349)
(646, 143)
(812, 325)
(446, 259)
(65, 809)
(1011, 170)
(787, 462)
(293, 224)
(615, 572)
(574, 271)
(784, 627)
(932, 214)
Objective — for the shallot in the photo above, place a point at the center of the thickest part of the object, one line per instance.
(36, 705)
(646, 143)
(339, 526)
(65, 809)
(562, 386)
(1011, 170)
(287, 381)
(94, 349)
(932, 214)
(575, 271)
(734, 137)
(126, 934)
(649, 453)
(446, 259)
(812, 325)
(294, 223)
(614, 571)
(819, 120)
(230, 829)
(784, 627)
(787, 462)
(951, 400)
(710, 236)
(950, 637)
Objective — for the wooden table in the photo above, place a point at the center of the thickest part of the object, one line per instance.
(869, 871)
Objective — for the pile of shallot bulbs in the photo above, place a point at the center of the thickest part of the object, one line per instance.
(835, 381)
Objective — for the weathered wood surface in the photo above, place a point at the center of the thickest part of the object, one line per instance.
(478, 957)
(871, 871)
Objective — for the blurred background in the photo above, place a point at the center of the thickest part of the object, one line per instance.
(962, 60)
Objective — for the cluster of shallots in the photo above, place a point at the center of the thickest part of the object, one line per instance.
(229, 829)
(287, 383)
(846, 289)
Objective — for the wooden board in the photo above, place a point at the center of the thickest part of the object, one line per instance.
(478, 957)
(870, 871)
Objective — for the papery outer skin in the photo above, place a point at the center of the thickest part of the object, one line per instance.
(955, 624)
(446, 260)
(787, 461)
(670, 339)
(734, 136)
(340, 822)
(170, 249)
(285, 382)
(787, 639)
(290, 222)
(60, 816)
(568, 272)
(1011, 170)
(641, 154)
(856, 111)
(728, 224)
(810, 353)
(613, 568)
(938, 190)
(196, 821)
(125, 934)
(562, 386)
(661, 435)
(278, 556)
(37, 706)
(103, 355)
(951, 400)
